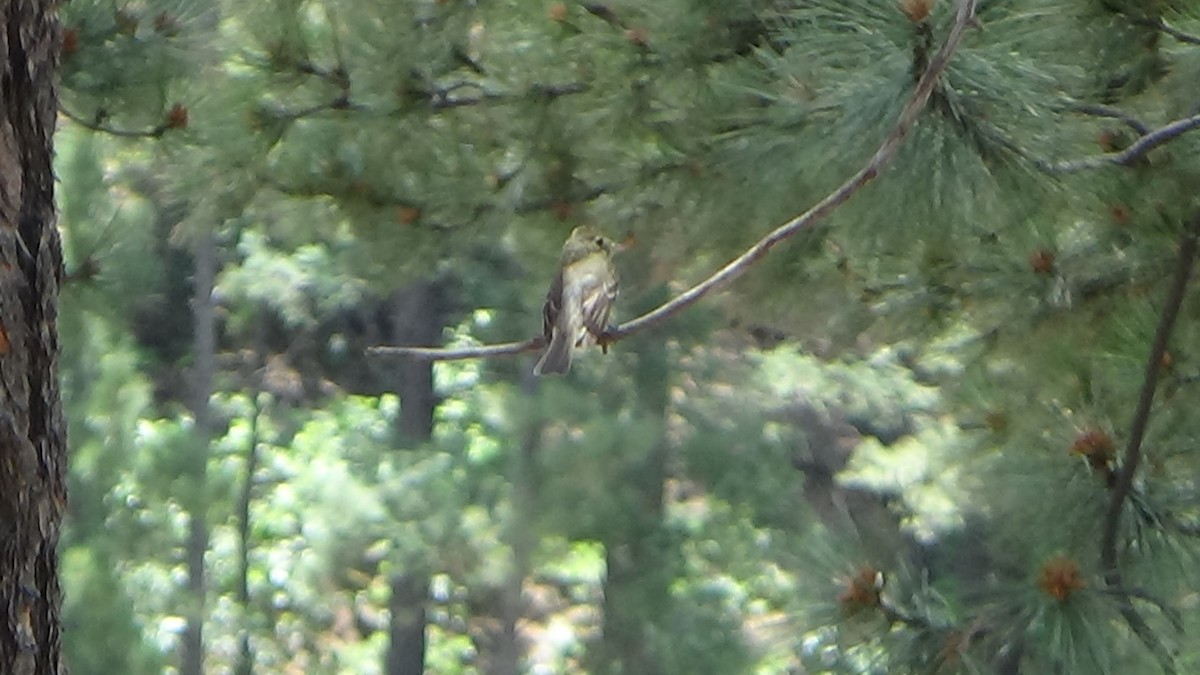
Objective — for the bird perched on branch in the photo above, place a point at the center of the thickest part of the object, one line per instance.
(580, 299)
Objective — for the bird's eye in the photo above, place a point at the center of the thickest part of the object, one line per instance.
(600, 242)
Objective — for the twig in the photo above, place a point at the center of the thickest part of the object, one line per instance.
(478, 352)
(1131, 154)
(896, 615)
(440, 99)
(1098, 110)
(339, 102)
(1161, 25)
(604, 12)
(98, 125)
(738, 266)
(1123, 484)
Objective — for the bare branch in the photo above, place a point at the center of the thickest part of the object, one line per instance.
(885, 153)
(97, 124)
(1098, 110)
(740, 265)
(1163, 26)
(1131, 154)
(458, 354)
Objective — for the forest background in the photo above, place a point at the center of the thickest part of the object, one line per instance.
(946, 428)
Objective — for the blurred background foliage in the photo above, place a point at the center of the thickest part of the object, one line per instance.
(884, 450)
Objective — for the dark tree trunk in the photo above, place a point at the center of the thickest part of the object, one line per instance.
(417, 317)
(201, 390)
(33, 447)
(254, 375)
(406, 631)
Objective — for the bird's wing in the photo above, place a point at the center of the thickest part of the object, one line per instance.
(553, 306)
(596, 302)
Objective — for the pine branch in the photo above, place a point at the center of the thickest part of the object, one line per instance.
(339, 102)
(1123, 484)
(895, 615)
(740, 265)
(604, 12)
(440, 99)
(1098, 110)
(1163, 26)
(1131, 154)
(97, 124)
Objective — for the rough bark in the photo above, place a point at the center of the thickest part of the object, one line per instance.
(33, 451)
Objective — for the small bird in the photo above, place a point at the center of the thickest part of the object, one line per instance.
(580, 299)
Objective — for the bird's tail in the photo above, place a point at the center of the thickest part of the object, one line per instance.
(557, 358)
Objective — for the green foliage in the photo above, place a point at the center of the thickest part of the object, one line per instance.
(865, 457)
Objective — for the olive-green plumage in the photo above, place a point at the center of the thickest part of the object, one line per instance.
(580, 299)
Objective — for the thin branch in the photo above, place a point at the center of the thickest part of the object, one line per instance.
(97, 124)
(340, 102)
(1131, 154)
(602, 11)
(896, 615)
(1163, 26)
(885, 153)
(458, 354)
(1123, 485)
(740, 265)
(440, 99)
(1098, 110)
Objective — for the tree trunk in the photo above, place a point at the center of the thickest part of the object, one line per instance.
(417, 318)
(245, 658)
(201, 391)
(33, 447)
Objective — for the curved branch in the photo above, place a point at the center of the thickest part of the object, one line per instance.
(738, 266)
(1131, 154)
(1099, 110)
(99, 126)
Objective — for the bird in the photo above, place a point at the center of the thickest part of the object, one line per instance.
(580, 299)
